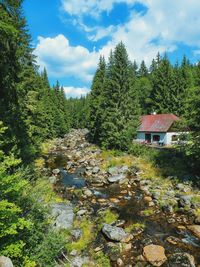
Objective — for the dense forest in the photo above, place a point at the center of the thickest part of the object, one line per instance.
(32, 111)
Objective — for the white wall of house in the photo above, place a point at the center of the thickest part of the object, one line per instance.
(165, 138)
(169, 137)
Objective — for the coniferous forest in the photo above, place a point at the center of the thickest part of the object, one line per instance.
(32, 111)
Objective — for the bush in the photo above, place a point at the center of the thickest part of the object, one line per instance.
(137, 149)
(49, 249)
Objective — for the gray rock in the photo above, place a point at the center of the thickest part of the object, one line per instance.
(5, 262)
(52, 179)
(116, 178)
(74, 252)
(88, 193)
(81, 212)
(56, 171)
(113, 170)
(181, 260)
(156, 195)
(63, 216)
(79, 261)
(95, 170)
(185, 201)
(180, 186)
(76, 234)
(168, 208)
(114, 233)
(118, 223)
(124, 169)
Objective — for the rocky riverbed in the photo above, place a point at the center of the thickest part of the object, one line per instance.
(132, 220)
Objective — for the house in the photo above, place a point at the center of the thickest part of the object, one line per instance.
(158, 129)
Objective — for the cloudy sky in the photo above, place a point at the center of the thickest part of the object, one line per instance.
(69, 35)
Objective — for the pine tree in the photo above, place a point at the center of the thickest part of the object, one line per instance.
(161, 96)
(96, 101)
(120, 101)
(143, 71)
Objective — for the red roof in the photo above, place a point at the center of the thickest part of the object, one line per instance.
(157, 122)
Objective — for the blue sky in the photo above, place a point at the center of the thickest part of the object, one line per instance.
(68, 36)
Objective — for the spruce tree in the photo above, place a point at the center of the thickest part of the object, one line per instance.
(162, 79)
(143, 71)
(96, 101)
(120, 102)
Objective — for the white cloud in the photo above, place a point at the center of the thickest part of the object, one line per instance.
(162, 28)
(164, 25)
(168, 22)
(92, 7)
(61, 59)
(102, 32)
(75, 91)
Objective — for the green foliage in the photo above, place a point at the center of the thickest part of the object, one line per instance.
(85, 240)
(114, 106)
(137, 149)
(78, 110)
(49, 249)
(102, 260)
(96, 101)
(134, 226)
(193, 122)
(109, 217)
(147, 212)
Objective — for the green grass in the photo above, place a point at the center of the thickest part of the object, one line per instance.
(42, 189)
(102, 260)
(147, 212)
(87, 237)
(197, 212)
(134, 226)
(109, 217)
(195, 199)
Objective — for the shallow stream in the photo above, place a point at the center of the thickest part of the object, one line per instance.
(129, 207)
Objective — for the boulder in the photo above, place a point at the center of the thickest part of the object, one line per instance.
(195, 229)
(181, 260)
(114, 233)
(116, 178)
(5, 262)
(63, 216)
(154, 254)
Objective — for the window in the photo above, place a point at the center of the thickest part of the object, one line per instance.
(174, 138)
(156, 138)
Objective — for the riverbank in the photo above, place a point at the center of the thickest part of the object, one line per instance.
(123, 211)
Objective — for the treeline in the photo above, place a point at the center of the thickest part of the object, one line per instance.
(31, 111)
(29, 107)
(122, 91)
